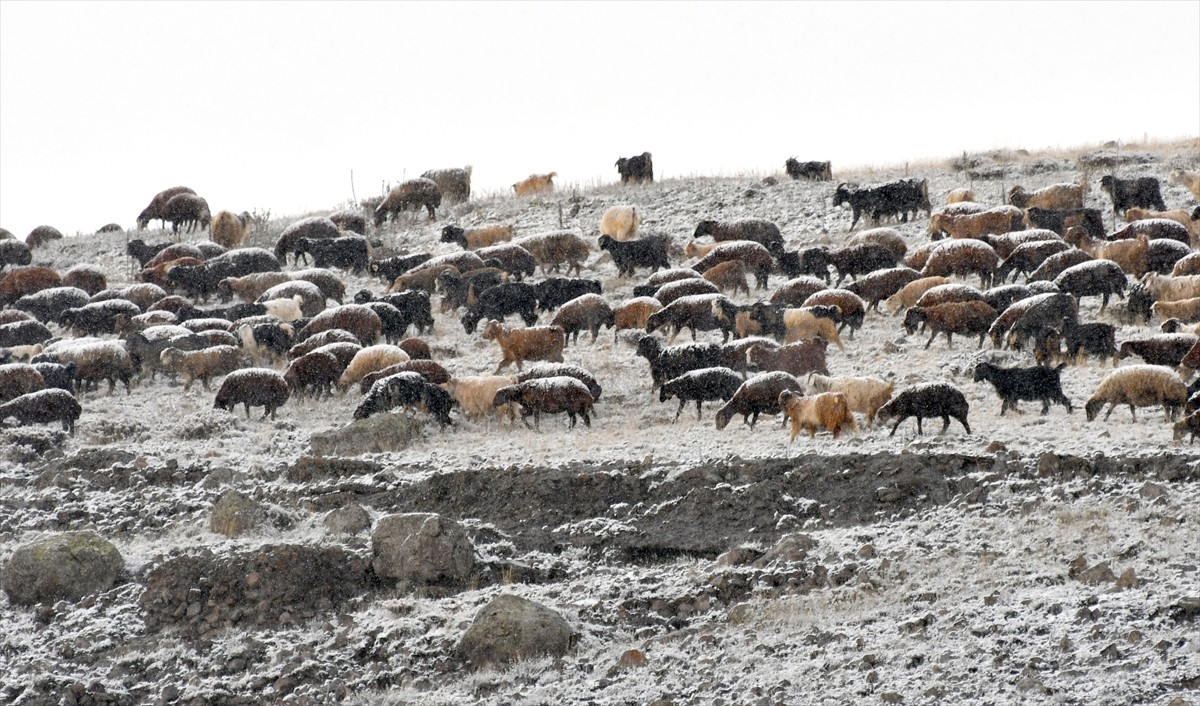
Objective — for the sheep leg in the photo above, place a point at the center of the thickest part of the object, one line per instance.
(919, 432)
(930, 341)
(247, 405)
(698, 403)
(897, 426)
(682, 402)
(945, 423)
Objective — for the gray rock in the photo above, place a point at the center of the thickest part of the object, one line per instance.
(512, 628)
(348, 519)
(378, 434)
(794, 547)
(423, 549)
(235, 514)
(64, 566)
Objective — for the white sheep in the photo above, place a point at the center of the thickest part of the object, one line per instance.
(1139, 386)
(1170, 289)
(285, 309)
(1190, 180)
(698, 250)
(474, 395)
(368, 360)
(865, 394)
(203, 364)
(1186, 310)
(620, 222)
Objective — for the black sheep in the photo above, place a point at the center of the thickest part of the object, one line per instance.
(705, 384)
(350, 252)
(1102, 278)
(1143, 192)
(668, 363)
(931, 399)
(1016, 384)
(858, 260)
(390, 268)
(638, 169)
(400, 390)
(43, 407)
(553, 292)
(253, 387)
(500, 301)
(628, 255)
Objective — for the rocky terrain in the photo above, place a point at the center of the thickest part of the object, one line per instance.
(307, 560)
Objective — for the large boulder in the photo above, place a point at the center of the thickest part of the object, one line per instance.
(234, 514)
(422, 549)
(511, 628)
(66, 566)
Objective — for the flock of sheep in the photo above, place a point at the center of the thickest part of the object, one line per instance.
(281, 331)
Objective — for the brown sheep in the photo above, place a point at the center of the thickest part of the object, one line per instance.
(852, 307)
(203, 364)
(250, 287)
(454, 182)
(798, 359)
(313, 373)
(1188, 265)
(409, 195)
(966, 318)
(889, 238)
(729, 275)
(1005, 243)
(1179, 216)
(17, 379)
(755, 256)
(355, 318)
(311, 228)
(827, 410)
(551, 395)
(960, 195)
(44, 407)
(535, 184)
(157, 207)
(26, 280)
(253, 387)
(1056, 196)
(758, 395)
(479, 237)
(796, 290)
(228, 230)
(633, 313)
(947, 293)
(913, 291)
(555, 249)
(89, 278)
(587, 312)
(520, 345)
(1132, 255)
(961, 258)
(990, 222)
(432, 372)
(416, 349)
(187, 210)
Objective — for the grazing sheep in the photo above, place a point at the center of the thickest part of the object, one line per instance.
(698, 250)
(23, 333)
(313, 373)
(409, 195)
(628, 255)
(1142, 192)
(799, 358)
(368, 360)
(1027, 257)
(669, 292)
(996, 221)
(555, 249)
(535, 184)
(285, 308)
(157, 207)
(399, 390)
(41, 236)
(758, 395)
(477, 238)
(1016, 384)
(1089, 220)
(1022, 319)
(1160, 349)
(47, 305)
(865, 395)
(657, 279)
(1163, 254)
(620, 222)
(858, 260)
(349, 252)
(187, 210)
(17, 379)
(756, 230)
(1080, 340)
(1005, 244)
(913, 291)
(97, 318)
(23, 281)
(852, 307)
(459, 290)
(250, 287)
(355, 318)
(323, 338)
(431, 371)
(633, 313)
(804, 323)
(890, 238)
(694, 312)
(794, 263)
(756, 257)
(1139, 386)
(94, 361)
(1055, 265)
(1153, 229)
(813, 171)
(203, 364)
(962, 258)
(266, 342)
(388, 269)
(553, 395)
(899, 199)
(348, 220)
(253, 387)
(729, 275)
(14, 252)
(311, 228)
(795, 291)
(827, 410)
(882, 284)
(454, 183)
(669, 363)
(927, 400)
(475, 394)
(518, 262)
(587, 312)
(947, 294)
(699, 386)
(1055, 196)
(44, 407)
(638, 169)
(1189, 424)
(520, 345)
(228, 230)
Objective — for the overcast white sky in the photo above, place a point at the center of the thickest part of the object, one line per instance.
(271, 105)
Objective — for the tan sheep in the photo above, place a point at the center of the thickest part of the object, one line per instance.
(203, 364)
(633, 313)
(535, 184)
(520, 345)
(828, 410)
(368, 360)
(865, 394)
(802, 323)
(960, 195)
(474, 395)
(1190, 180)
(1131, 255)
(1139, 386)
(1056, 196)
(1186, 310)
(250, 287)
(729, 275)
(911, 292)
(991, 222)
(1178, 215)
(228, 230)
(1170, 289)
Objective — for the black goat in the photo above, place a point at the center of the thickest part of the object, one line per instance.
(1143, 192)
(628, 255)
(1016, 384)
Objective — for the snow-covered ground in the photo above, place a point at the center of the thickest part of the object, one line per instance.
(972, 598)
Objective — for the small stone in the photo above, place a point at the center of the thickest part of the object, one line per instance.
(992, 599)
(1065, 644)
(866, 551)
(1134, 637)
(1032, 684)
(1098, 574)
(1128, 579)
(891, 697)
(632, 659)
(995, 447)
(1111, 652)
(1152, 491)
